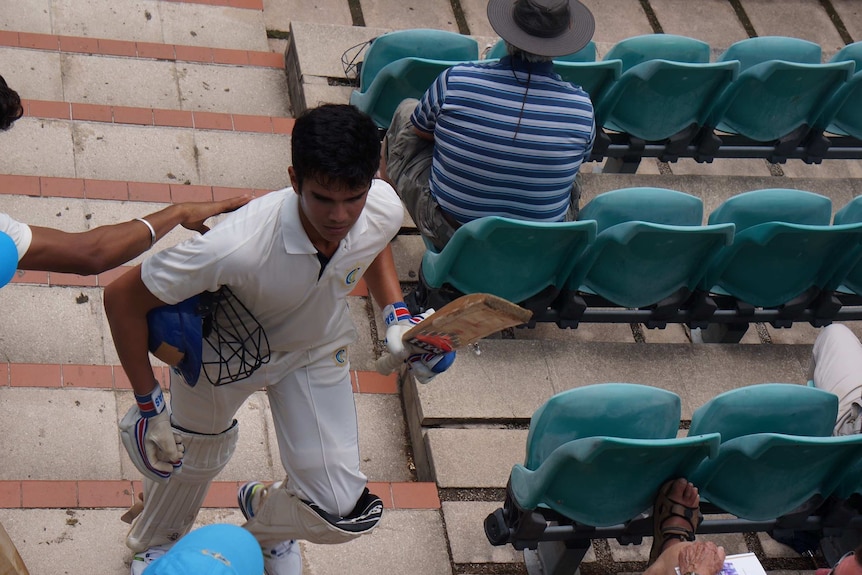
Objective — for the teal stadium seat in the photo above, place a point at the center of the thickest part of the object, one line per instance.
(585, 54)
(842, 116)
(639, 49)
(416, 43)
(852, 281)
(509, 258)
(781, 90)
(783, 248)
(598, 454)
(650, 246)
(666, 91)
(776, 452)
(405, 78)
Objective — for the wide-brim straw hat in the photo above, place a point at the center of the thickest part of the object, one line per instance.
(543, 27)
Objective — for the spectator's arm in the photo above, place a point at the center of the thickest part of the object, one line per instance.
(107, 247)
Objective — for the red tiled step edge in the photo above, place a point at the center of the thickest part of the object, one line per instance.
(157, 117)
(32, 494)
(49, 187)
(58, 375)
(249, 4)
(147, 50)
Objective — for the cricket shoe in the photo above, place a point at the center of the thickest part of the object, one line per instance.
(281, 559)
(143, 559)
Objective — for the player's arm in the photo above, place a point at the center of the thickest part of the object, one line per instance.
(382, 281)
(146, 429)
(127, 301)
(107, 247)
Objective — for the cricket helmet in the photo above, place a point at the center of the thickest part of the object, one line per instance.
(213, 332)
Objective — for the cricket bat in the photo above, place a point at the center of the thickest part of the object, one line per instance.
(10, 561)
(458, 323)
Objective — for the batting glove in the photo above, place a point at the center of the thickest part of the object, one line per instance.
(424, 366)
(147, 435)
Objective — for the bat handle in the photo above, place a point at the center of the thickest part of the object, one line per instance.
(387, 364)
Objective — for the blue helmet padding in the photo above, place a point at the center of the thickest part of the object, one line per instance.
(8, 259)
(181, 327)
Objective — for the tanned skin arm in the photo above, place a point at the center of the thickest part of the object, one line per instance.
(107, 247)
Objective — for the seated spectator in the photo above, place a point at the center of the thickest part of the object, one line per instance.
(836, 366)
(676, 516)
(502, 138)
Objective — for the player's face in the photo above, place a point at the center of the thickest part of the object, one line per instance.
(328, 212)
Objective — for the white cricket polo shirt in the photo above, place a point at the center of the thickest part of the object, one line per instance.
(262, 253)
(20, 233)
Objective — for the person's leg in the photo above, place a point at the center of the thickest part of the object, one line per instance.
(315, 423)
(676, 515)
(575, 201)
(836, 366)
(203, 417)
(406, 164)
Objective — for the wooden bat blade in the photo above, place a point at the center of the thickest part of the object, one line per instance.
(10, 561)
(464, 321)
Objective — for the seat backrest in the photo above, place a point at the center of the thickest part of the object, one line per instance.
(501, 256)
(585, 54)
(774, 99)
(851, 214)
(626, 410)
(753, 51)
(773, 205)
(593, 77)
(638, 49)
(765, 476)
(638, 264)
(659, 98)
(419, 43)
(843, 114)
(405, 78)
(772, 264)
(603, 481)
(656, 205)
(767, 408)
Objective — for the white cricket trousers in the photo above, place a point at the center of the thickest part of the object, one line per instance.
(314, 414)
(836, 366)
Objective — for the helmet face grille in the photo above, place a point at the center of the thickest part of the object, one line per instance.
(234, 334)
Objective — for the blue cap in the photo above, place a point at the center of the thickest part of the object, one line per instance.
(218, 549)
(8, 259)
(176, 337)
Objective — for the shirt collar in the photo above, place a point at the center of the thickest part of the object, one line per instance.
(296, 241)
(520, 65)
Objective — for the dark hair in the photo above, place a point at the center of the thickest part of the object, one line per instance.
(857, 554)
(335, 144)
(10, 105)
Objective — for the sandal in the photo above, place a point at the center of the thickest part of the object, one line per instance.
(665, 508)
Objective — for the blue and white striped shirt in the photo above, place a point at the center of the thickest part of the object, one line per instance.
(499, 152)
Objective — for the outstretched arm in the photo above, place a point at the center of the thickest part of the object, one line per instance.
(107, 247)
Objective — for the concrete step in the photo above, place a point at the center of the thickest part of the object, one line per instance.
(172, 155)
(183, 23)
(92, 541)
(147, 83)
(41, 450)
